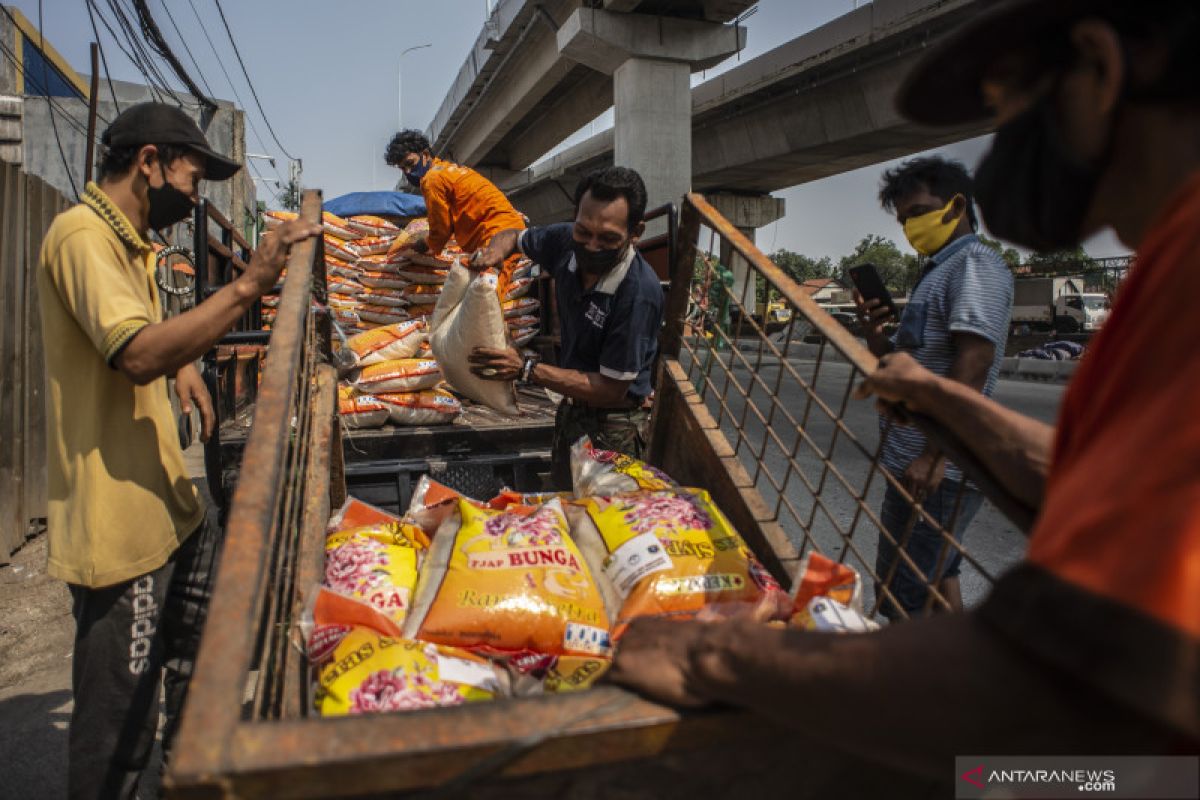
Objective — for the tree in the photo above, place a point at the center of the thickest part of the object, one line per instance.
(1061, 262)
(289, 196)
(898, 270)
(1011, 255)
(803, 268)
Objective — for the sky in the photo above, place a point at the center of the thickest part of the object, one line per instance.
(328, 76)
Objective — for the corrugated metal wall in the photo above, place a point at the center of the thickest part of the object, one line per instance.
(27, 206)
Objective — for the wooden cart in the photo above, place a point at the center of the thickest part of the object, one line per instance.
(719, 423)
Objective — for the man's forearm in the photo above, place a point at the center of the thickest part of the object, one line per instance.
(881, 697)
(590, 387)
(1015, 449)
(163, 348)
(504, 243)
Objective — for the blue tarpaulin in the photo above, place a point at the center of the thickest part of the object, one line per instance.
(397, 204)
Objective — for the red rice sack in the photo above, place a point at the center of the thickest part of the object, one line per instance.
(416, 273)
(523, 321)
(382, 280)
(522, 336)
(338, 248)
(517, 288)
(380, 296)
(338, 227)
(369, 246)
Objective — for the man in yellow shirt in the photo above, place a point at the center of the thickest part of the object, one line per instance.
(127, 530)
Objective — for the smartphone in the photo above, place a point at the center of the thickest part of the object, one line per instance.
(866, 279)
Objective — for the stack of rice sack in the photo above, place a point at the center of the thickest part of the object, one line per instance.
(525, 593)
(394, 382)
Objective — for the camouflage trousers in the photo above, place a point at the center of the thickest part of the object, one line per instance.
(622, 430)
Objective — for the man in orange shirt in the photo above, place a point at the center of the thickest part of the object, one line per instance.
(460, 202)
(1092, 643)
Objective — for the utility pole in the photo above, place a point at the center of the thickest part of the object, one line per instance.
(93, 98)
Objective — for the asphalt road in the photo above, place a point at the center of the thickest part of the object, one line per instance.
(791, 475)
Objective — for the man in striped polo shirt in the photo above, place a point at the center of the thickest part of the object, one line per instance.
(955, 324)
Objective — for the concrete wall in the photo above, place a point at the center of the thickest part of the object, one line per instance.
(224, 129)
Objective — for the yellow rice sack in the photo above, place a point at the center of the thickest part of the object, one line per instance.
(273, 219)
(605, 472)
(400, 375)
(512, 584)
(368, 672)
(377, 564)
(399, 340)
(671, 554)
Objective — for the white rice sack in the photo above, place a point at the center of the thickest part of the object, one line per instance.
(399, 340)
(467, 316)
(523, 336)
(362, 411)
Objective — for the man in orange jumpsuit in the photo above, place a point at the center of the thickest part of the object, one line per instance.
(461, 203)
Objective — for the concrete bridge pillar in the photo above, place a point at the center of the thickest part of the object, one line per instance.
(651, 60)
(747, 213)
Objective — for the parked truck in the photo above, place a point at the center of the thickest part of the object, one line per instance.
(1059, 304)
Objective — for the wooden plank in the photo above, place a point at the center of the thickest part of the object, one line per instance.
(12, 497)
(49, 204)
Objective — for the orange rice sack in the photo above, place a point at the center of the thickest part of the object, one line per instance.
(522, 336)
(604, 472)
(382, 280)
(399, 375)
(367, 673)
(344, 286)
(369, 225)
(520, 307)
(432, 502)
(333, 262)
(828, 597)
(671, 553)
(513, 584)
(523, 321)
(339, 249)
(524, 269)
(378, 296)
(273, 219)
(423, 293)
(377, 564)
(382, 315)
(422, 310)
(355, 512)
(338, 227)
(416, 273)
(511, 497)
(432, 407)
(369, 246)
(517, 288)
(399, 340)
(360, 410)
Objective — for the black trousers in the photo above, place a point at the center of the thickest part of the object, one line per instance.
(130, 639)
(620, 430)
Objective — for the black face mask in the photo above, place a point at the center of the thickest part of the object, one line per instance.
(1030, 189)
(168, 205)
(597, 262)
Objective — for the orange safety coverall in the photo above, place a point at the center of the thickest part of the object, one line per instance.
(462, 203)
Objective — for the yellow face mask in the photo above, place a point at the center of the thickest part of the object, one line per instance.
(927, 233)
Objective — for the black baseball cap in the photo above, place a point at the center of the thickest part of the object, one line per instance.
(943, 89)
(159, 123)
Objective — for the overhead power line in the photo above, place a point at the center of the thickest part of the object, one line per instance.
(249, 82)
(159, 45)
(103, 58)
(46, 88)
(188, 50)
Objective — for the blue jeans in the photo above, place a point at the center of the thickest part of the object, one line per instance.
(924, 545)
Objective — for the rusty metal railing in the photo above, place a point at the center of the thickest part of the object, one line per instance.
(783, 400)
(246, 669)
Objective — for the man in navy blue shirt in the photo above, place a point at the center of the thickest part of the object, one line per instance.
(610, 307)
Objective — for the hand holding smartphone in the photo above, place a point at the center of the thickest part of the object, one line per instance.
(870, 285)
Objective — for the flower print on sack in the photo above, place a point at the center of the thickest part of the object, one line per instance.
(653, 511)
(357, 566)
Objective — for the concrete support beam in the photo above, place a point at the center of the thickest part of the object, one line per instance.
(604, 40)
(653, 126)
(747, 213)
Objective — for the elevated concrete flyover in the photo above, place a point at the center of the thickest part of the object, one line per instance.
(518, 95)
(817, 106)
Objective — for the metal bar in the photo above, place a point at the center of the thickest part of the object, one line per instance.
(214, 708)
(681, 278)
(220, 219)
(93, 98)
